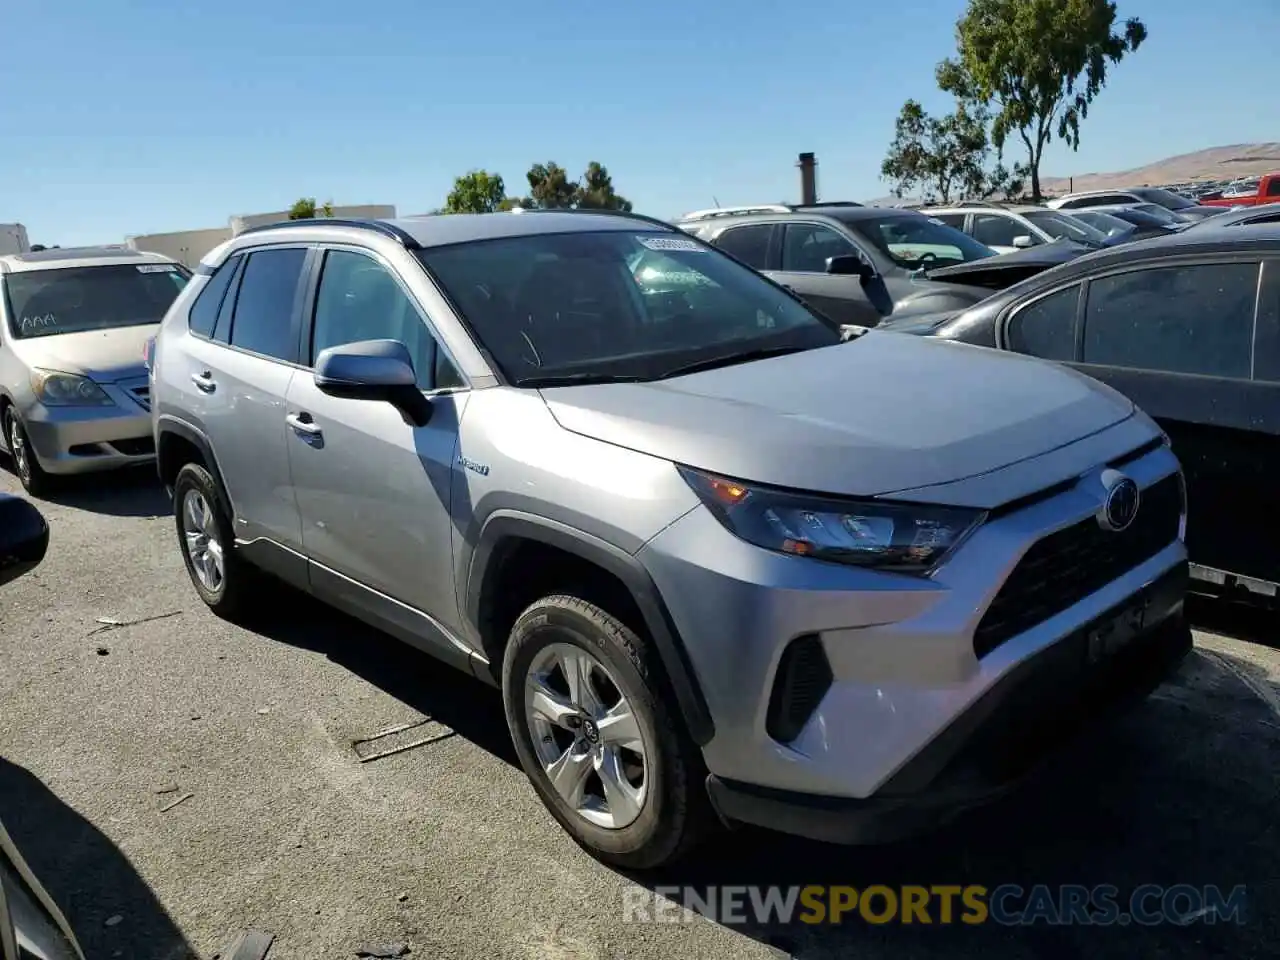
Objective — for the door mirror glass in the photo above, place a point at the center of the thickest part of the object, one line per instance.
(849, 265)
(24, 538)
(373, 370)
(1023, 242)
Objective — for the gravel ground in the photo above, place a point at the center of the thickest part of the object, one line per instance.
(446, 848)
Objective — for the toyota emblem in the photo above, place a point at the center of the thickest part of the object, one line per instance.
(1122, 501)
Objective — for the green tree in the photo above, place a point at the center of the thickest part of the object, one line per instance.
(595, 191)
(304, 209)
(1039, 64)
(550, 187)
(945, 157)
(326, 210)
(477, 191)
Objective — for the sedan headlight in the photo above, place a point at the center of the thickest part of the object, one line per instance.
(55, 389)
(905, 537)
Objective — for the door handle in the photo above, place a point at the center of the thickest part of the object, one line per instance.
(302, 423)
(204, 381)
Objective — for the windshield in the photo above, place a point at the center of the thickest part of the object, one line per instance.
(1165, 198)
(616, 305)
(1157, 212)
(1104, 222)
(1061, 227)
(914, 242)
(45, 303)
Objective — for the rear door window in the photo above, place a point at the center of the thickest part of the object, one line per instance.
(1191, 319)
(264, 306)
(806, 247)
(749, 243)
(1047, 327)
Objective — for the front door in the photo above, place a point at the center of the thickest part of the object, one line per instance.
(373, 490)
(806, 247)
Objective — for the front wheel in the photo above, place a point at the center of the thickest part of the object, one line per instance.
(30, 474)
(597, 736)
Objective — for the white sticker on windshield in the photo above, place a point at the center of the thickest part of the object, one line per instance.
(156, 268)
(28, 325)
(671, 243)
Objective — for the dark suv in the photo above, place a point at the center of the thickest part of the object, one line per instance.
(858, 265)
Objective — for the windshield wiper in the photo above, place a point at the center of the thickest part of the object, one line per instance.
(577, 379)
(728, 359)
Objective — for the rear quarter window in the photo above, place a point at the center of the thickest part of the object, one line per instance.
(204, 312)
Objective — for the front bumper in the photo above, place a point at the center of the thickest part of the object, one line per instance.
(70, 440)
(1037, 708)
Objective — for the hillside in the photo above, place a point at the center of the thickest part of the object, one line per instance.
(1216, 163)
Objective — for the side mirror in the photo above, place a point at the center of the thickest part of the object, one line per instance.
(24, 538)
(850, 265)
(378, 370)
(1023, 242)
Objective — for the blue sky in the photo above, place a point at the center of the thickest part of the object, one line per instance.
(141, 116)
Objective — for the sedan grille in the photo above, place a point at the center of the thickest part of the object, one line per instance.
(1065, 567)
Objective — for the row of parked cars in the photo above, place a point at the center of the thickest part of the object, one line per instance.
(728, 554)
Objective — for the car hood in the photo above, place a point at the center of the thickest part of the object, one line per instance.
(1005, 270)
(881, 414)
(101, 355)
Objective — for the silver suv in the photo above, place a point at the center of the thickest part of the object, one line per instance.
(73, 384)
(718, 555)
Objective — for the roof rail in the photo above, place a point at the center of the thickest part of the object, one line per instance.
(714, 212)
(597, 212)
(829, 203)
(981, 203)
(377, 226)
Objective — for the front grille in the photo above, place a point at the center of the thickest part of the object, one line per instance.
(135, 446)
(1065, 567)
(803, 679)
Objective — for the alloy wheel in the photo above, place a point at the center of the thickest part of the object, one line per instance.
(200, 537)
(18, 449)
(586, 736)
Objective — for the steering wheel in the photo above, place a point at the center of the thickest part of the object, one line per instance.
(927, 257)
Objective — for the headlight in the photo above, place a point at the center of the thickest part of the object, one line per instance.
(67, 390)
(906, 537)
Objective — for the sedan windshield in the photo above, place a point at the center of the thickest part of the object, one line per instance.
(1104, 222)
(1158, 212)
(1061, 227)
(45, 303)
(914, 241)
(617, 305)
(1165, 198)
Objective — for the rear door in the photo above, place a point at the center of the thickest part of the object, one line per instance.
(239, 359)
(1178, 338)
(806, 248)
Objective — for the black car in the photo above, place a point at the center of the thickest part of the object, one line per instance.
(1188, 326)
(859, 265)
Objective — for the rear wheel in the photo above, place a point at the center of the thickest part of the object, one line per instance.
(29, 472)
(597, 737)
(221, 577)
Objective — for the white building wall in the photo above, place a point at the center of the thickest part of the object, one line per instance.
(368, 211)
(185, 246)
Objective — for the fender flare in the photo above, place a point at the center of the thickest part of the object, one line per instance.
(505, 525)
(180, 428)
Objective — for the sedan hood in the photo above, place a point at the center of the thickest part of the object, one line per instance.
(996, 273)
(881, 414)
(102, 355)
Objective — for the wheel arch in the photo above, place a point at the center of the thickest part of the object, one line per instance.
(505, 532)
(175, 441)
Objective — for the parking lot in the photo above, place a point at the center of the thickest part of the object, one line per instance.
(174, 779)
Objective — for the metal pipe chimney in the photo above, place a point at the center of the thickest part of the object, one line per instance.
(808, 178)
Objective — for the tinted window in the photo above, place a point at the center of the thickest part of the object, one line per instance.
(950, 219)
(749, 244)
(46, 303)
(264, 304)
(1165, 198)
(1099, 200)
(204, 312)
(806, 247)
(359, 300)
(606, 304)
(996, 231)
(1273, 187)
(1047, 327)
(1185, 319)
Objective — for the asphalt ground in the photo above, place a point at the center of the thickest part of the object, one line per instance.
(279, 826)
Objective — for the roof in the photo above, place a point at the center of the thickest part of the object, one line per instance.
(63, 258)
(1019, 208)
(441, 230)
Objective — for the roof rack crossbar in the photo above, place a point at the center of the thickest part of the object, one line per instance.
(377, 226)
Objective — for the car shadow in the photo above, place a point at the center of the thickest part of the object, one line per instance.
(464, 704)
(1181, 790)
(133, 492)
(89, 878)
(1249, 621)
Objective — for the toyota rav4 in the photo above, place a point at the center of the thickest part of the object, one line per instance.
(726, 561)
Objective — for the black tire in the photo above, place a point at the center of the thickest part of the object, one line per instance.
(675, 811)
(27, 468)
(232, 599)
